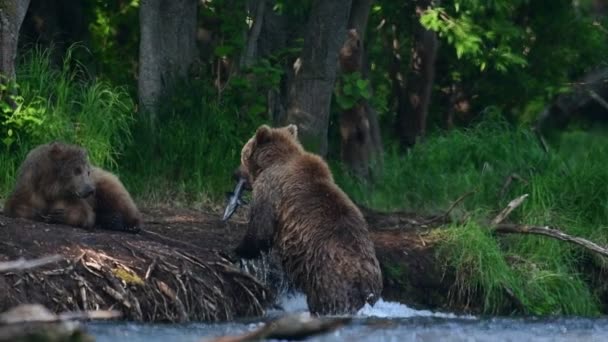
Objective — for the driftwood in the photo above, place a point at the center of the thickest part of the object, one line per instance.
(22, 264)
(291, 327)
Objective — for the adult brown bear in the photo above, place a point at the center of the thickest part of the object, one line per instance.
(56, 184)
(319, 234)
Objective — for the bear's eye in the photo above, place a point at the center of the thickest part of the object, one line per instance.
(77, 171)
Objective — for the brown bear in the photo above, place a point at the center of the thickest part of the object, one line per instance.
(56, 184)
(319, 234)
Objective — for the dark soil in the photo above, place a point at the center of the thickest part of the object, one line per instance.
(178, 267)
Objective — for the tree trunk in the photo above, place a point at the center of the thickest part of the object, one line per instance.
(256, 9)
(167, 48)
(412, 115)
(12, 13)
(355, 142)
(310, 92)
(359, 16)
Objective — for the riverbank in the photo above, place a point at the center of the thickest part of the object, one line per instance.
(178, 268)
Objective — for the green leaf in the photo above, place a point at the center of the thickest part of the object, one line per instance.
(362, 84)
(348, 89)
(366, 94)
(223, 50)
(257, 109)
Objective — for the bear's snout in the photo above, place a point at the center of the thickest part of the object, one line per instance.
(86, 191)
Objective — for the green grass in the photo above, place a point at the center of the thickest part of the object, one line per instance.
(567, 189)
(63, 102)
(194, 152)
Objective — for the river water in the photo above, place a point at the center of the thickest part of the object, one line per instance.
(384, 322)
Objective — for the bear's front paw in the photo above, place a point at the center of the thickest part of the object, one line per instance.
(54, 216)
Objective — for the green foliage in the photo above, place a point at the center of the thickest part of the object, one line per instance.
(62, 103)
(564, 192)
(232, 17)
(484, 32)
(487, 272)
(353, 90)
(515, 55)
(114, 39)
(250, 88)
(195, 150)
(18, 119)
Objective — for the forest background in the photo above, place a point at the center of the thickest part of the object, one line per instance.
(427, 101)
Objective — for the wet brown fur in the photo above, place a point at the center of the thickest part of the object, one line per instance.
(57, 184)
(318, 232)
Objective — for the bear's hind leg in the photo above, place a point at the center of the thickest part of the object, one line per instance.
(114, 207)
(25, 205)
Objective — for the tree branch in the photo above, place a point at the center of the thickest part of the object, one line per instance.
(507, 228)
(22, 264)
(510, 207)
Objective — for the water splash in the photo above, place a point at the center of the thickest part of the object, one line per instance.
(268, 271)
(386, 309)
(296, 302)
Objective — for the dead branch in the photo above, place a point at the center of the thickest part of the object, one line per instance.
(447, 212)
(508, 209)
(509, 181)
(598, 98)
(507, 228)
(22, 264)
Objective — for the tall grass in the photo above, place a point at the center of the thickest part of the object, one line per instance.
(196, 147)
(68, 105)
(567, 189)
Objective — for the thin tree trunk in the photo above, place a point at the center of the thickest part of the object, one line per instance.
(12, 13)
(310, 92)
(358, 20)
(412, 116)
(167, 48)
(257, 8)
(355, 142)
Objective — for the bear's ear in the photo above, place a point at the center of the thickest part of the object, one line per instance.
(262, 135)
(293, 130)
(56, 151)
(84, 153)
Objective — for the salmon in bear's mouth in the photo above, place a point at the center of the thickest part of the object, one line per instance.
(235, 199)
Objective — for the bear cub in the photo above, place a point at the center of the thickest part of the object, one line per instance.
(57, 184)
(319, 234)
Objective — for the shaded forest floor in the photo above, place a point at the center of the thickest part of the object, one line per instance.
(179, 269)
